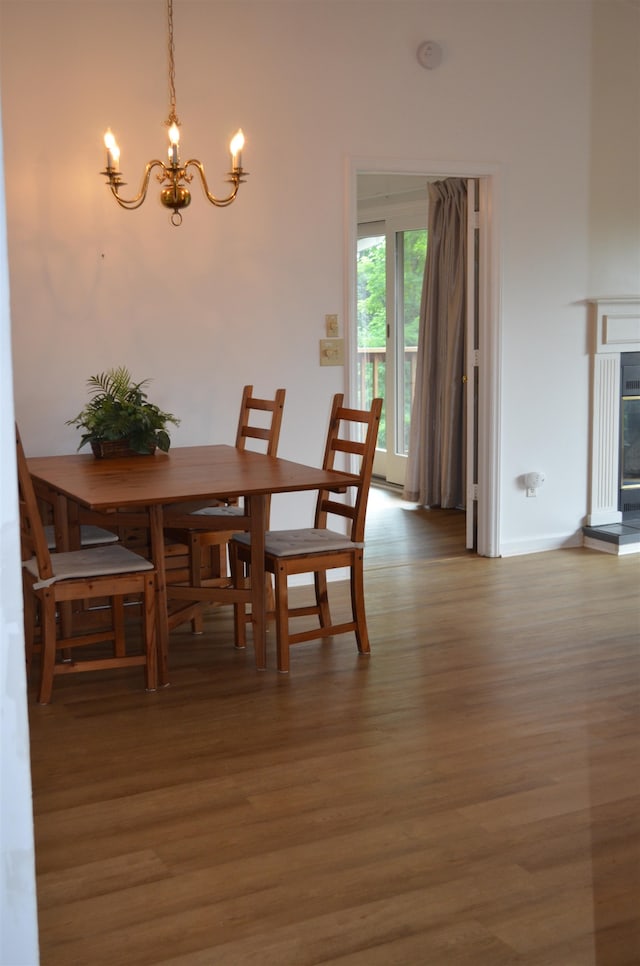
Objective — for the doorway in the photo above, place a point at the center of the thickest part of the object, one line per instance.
(383, 202)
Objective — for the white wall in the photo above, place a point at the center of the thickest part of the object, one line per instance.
(18, 919)
(240, 295)
(614, 203)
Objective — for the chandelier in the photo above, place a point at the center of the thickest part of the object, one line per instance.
(173, 173)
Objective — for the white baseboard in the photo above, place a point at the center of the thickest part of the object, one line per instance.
(516, 548)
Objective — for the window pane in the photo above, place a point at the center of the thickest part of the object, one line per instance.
(372, 324)
(412, 252)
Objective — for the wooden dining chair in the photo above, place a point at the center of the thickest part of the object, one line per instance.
(52, 581)
(319, 549)
(259, 422)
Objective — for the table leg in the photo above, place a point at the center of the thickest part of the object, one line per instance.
(156, 531)
(62, 525)
(256, 506)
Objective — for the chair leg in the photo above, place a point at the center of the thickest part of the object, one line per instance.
(30, 615)
(322, 597)
(358, 605)
(117, 616)
(48, 646)
(270, 597)
(66, 618)
(282, 618)
(239, 580)
(221, 551)
(149, 631)
(195, 568)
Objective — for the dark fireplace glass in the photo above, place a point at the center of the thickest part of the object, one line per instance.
(630, 456)
(630, 436)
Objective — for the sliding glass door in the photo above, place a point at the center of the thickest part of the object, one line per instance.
(390, 268)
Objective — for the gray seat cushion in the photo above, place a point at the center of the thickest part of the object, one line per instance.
(88, 535)
(290, 543)
(219, 511)
(92, 562)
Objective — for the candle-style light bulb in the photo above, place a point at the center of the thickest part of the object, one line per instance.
(174, 138)
(113, 151)
(236, 146)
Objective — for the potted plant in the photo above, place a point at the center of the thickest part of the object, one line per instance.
(119, 420)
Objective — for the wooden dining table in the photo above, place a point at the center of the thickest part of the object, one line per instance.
(184, 475)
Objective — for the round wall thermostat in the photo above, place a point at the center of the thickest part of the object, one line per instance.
(429, 54)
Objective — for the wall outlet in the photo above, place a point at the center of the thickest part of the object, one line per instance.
(331, 326)
(532, 481)
(331, 352)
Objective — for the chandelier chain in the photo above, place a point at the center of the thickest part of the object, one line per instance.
(173, 117)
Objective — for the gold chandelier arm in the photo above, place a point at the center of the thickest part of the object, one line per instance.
(115, 182)
(234, 176)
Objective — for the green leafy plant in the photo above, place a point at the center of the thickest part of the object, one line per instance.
(119, 410)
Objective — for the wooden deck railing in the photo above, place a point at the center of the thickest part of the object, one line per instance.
(371, 371)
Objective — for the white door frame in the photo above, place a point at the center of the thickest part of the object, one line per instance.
(491, 187)
(471, 358)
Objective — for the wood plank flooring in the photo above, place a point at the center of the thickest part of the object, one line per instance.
(469, 794)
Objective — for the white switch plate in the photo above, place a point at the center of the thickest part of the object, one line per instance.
(331, 352)
(331, 326)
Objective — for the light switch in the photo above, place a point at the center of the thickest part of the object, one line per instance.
(331, 352)
(331, 326)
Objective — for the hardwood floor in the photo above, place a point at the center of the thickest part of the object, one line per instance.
(469, 794)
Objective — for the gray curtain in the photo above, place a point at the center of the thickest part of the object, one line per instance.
(435, 465)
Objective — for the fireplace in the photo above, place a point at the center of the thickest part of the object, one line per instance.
(613, 520)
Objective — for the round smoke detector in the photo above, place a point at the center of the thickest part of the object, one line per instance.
(429, 54)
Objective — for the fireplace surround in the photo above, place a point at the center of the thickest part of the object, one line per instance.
(615, 333)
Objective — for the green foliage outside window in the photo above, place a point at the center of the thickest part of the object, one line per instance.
(372, 315)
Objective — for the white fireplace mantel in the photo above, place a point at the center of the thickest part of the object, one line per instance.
(616, 329)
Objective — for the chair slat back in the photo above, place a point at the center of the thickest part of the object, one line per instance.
(248, 426)
(32, 535)
(345, 426)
